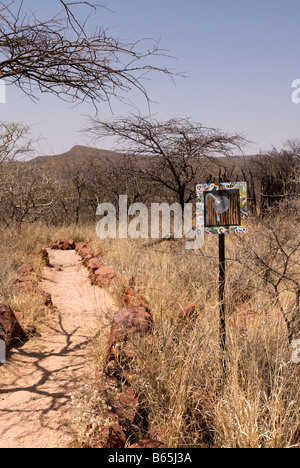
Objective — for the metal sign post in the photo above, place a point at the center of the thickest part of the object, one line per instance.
(221, 209)
(222, 297)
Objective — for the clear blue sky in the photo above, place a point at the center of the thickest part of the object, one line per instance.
(240, 58)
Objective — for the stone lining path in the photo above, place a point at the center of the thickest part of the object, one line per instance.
(37, 382)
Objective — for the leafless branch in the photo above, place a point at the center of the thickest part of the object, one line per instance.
(14, 141)
(58, 56)
(170, 153)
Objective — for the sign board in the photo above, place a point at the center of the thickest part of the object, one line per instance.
(221, 208)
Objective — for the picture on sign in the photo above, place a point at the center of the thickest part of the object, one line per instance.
(222, 208)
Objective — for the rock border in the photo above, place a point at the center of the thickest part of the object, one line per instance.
(13, 331)
(132, 323)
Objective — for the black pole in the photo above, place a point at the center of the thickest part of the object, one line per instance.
(222, 296)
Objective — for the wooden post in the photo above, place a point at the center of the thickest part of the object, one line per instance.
(222, 272)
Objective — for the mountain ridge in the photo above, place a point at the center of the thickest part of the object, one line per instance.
(78, 151)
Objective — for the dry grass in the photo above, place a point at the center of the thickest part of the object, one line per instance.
(19, 248)
(177, 373)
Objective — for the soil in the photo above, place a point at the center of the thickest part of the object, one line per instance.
(39, 378)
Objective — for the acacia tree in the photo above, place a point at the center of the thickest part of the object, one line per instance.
(26, 193)
(271, 255)
(14, 141)
(77, 176)
(59, 56)
(170, 154)
(276, 175)
(109, 181)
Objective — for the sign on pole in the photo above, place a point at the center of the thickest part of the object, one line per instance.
(221, 209)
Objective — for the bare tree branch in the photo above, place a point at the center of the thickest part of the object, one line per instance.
(58, 56)
(14, 141)
(174, 151)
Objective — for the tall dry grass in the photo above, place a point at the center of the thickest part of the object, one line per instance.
(177, 373)
(19, 247)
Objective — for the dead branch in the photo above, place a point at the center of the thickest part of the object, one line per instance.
(58, 56)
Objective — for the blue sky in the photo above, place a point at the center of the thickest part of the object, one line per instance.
(240, 58)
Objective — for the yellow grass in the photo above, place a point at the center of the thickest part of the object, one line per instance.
(177, 373)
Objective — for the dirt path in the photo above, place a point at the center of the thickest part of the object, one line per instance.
(37, 382)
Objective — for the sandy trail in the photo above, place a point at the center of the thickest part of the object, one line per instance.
(37, 382)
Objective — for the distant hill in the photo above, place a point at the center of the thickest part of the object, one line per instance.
(78, 152)
(78, 155)
(75, 157)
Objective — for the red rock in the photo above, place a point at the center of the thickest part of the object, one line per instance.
(113, 369)
(147, 443)
(133, 298)
(86, 253)
(24, 278)
(125, 406)
(104, 276)
(111, 437)
(158, 433)
(80, 245)
(102, 379)
(86, 259)
(9, 323)
(64, 246)
(28, 286)
(94, 264)
(25, 270)
(71, 244)
(129, 324)
(134, 319)
(116, 437)
(46, 298)
(84, 250)
(187, 312)
(19, 316)
(129, 350)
